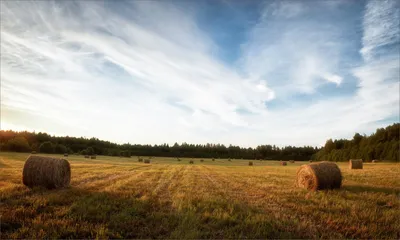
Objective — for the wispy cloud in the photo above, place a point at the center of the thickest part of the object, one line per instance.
(146, 72)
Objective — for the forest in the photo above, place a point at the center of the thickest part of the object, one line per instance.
(384, 144)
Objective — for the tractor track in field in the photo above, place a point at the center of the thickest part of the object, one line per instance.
(238, 188)
(244, 193)
(167, 182)
(211, 178)
(108, 179)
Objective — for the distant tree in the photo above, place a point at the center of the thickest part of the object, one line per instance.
(357, 138)
(18, 144)
(329, 146)
(89, 151)
(59, 148)
(46, 147)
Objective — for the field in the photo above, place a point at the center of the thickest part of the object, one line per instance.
(113, 197)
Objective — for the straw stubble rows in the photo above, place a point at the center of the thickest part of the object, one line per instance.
(114, 197)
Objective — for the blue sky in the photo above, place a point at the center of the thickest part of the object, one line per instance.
(232, 72)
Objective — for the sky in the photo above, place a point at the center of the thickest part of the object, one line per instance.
(233, 72)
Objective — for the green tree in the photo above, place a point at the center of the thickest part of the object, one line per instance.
(59, 148)
(329, 146)
(89, 151)
(46, 147)
(18, 144)
(357, 138)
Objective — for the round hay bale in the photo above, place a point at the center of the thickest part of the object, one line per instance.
(291, 161)
(147, 161)
(202, 160)
(86, 156)
(356, 164)
(191, 162)
(46, 172)
(250, 163)
(283, 163)
(93, 157)
(319, 176)
(65, 154)
(213, 159)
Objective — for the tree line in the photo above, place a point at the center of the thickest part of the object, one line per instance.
(384, 144)
(42, 142)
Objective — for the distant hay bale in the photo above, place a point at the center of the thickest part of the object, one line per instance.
(202, 160)
(213, 159)
(291, 161)
(310, 161)
(147, 161)
(356, 164)
(86, 156)
(191, 162)
(46, 172)
(33, 152)
(319, 176)
(140, 159)
(250, 163)
(93, 157)
(283, 163)
(65, 154)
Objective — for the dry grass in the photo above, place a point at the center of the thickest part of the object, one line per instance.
(113, 197)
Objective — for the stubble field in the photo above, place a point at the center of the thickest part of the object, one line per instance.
(112, 197)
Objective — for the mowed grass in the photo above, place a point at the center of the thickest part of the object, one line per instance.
(112, 197)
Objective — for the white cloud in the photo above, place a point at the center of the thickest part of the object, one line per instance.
(381, 25)
(147, 74)
(333, 78)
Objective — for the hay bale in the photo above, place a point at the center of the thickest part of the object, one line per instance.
(356, 164)
(93, 157)
(147, 161)
(291, 161)
(46, 172)
(191, 162)
(250, 163)
(283, 163)
(202, 160)
(140, 159)
(319, 176)
(310, 161)
(213, 159)
(86, 156)
(65, 154)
